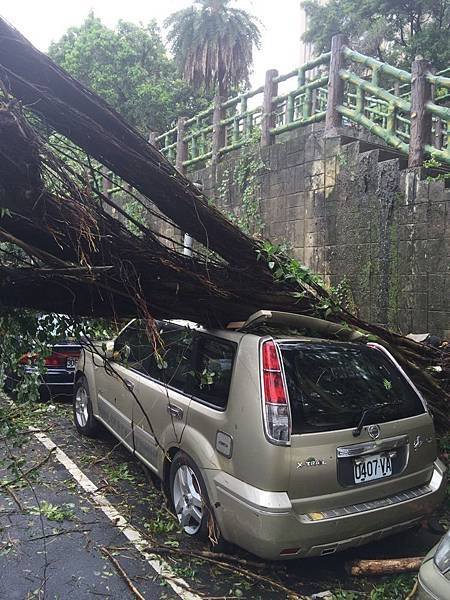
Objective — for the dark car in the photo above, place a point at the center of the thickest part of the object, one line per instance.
(59, 369)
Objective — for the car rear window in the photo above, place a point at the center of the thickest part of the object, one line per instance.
(331, 384)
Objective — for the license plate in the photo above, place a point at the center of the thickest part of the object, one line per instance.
(71, 363)
(368, 468)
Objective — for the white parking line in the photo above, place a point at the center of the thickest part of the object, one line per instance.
(159, 565)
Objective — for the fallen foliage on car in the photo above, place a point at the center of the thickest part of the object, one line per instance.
(67, 246)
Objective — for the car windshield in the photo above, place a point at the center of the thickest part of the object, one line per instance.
(331, 384)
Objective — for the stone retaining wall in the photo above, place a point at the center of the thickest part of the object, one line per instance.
(354, 212)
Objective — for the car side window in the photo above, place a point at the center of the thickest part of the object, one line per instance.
(133, 345)
(171, 363)
(214, 360)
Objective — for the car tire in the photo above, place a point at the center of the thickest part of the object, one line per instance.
(45, 395)
(83, 415)
(190, 498)
(9, 384)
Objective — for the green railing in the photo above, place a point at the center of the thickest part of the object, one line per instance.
(442, 94)
(228, 124)
(388, 115)
(440, 149)
(409, 113)
(366, 103)
(307, 102)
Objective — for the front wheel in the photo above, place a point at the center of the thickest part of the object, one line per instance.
(189, 497)
(83, 414)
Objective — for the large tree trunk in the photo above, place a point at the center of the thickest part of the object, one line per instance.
(88, 121)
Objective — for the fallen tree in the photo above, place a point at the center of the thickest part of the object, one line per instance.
(65, 225)
(79, 259)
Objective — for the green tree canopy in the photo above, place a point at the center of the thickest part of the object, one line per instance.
(130, 69)
(391, 30)
(213, 44)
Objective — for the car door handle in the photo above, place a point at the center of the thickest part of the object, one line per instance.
(129, 384)
(175, 411)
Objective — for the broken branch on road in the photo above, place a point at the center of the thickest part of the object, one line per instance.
(24, 474)
(384, 566)
(122, 573)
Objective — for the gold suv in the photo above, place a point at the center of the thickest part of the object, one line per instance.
(291, 445)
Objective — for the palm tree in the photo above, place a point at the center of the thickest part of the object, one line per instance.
(213, 44)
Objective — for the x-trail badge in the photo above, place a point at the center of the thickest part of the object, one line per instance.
(374, 431)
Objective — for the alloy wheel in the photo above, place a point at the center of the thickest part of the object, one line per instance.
(187, 499)
(81, 406)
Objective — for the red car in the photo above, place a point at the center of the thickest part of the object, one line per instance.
(59, 374)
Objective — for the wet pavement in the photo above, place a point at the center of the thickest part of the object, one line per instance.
(57, 540)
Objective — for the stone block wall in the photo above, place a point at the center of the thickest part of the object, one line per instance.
(351, 210)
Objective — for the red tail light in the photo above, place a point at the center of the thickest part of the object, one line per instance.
(55, 360)
(59, 359)
(276, 403)
(274, 388)
(271, 362)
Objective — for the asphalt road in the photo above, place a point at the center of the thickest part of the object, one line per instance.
(64, 537)
(53, 539)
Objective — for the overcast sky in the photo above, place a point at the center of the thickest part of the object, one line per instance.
(43, 21)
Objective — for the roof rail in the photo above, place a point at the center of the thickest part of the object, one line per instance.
(286, 319)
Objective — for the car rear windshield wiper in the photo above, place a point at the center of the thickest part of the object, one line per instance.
(366, 412)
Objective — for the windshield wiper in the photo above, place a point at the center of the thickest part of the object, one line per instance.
(357, 432)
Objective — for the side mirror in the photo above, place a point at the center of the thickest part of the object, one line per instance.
(109, 350)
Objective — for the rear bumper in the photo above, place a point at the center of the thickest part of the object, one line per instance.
(56, 377)
(265, 523)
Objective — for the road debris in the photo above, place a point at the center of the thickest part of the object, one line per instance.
(385, 566)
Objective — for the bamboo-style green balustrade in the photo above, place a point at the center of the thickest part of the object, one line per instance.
(366, 103)
(440, 149)
(371, 94)
(242, 116)
(442, 96)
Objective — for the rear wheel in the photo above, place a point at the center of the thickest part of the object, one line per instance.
(45, 394)
(189, 497)
(83, 414)
(9, 384)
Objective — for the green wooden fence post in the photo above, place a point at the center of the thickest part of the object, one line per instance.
(376, 76)
(438, 124)
(420, 117)
(333, 118)
(182, 149)
(244, 120)
(218, 136)
(307, 104)
(290, 107)
(268, 117)
(438, 133)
